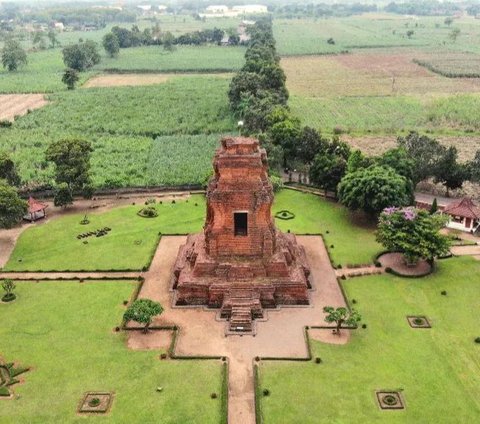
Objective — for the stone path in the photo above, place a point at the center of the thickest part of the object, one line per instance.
(202, 333)
(356, 272)
(466, 251)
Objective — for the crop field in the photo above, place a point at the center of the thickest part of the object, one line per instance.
(13, 105)
(377, 73)
(126, 126)
(183, 59)
(309, 36)
(452, 65)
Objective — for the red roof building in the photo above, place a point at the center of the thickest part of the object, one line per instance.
(36, 210)
(465, 215)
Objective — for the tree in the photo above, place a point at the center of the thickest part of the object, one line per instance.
(8, 171)
(449, 172)
(454, 34)
(373, 189)
(474, 166)
(63, 195)
(12, 207)
(410, 33)
(111, 44)
(327, 170)
(81, 56)
(434, 207)
(39, 40)
(448, 21)
(70, 78)
(13, 56)
(233, 40)
(52, 36)
(309, 143)
(341, 316)
(142, 311)
(424, 152)
(72, 164)
(8, 286)
(414, 232)
(169, 42)
(357, 160)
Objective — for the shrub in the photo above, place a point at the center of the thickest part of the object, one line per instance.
(266, 392)
(390, 400)
(117, 329)
(9, 297)
(94, 402)
(5, 124)
(364, 326)
(477, 340)
(318, 360)
(378, 264)
(213, 396)
(389, 270)
(338, 130)
(343, 277)
(443, 292)
(125, 302)
(354, 301)
(148, 212)
(163, 356)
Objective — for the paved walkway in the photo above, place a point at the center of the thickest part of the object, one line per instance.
(466, 251)
(94, 275)
(201, 333)
(356, 272)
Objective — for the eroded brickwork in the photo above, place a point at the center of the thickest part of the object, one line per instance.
(241, 263)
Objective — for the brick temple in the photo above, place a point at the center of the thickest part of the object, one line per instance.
(241, 263)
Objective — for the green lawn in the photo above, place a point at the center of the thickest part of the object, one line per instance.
(438, 369)
(352, 243)
(63, 331)
(54, 246)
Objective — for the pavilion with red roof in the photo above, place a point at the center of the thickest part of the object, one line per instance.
(464, 215)
(36, 210)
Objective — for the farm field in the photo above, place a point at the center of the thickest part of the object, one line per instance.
(437, 370)
(14, 105)
(126, 126)
(120, 80)
(183, 59)
(309, 36)
(373, 73)
(64, 332)
(54, 245)
(454, 65)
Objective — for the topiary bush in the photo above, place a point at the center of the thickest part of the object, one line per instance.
(266, 392)
(148, 212)
(477, 340)
(94, 402)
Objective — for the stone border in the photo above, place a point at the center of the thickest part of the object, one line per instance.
(425, 323)
(402, 271)
(289, 215)
(382, 394)
(106, 400)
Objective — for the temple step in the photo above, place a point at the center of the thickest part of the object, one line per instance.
(241, 319)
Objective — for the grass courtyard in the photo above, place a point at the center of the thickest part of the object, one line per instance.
(64, 332)
(437, 369)
(54, 246)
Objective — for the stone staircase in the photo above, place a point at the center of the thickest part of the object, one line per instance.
(240, 307)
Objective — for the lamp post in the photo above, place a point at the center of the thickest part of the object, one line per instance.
(240, 126)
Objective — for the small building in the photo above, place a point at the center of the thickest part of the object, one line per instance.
(59, 26)
(36, 210)
(464, 215)
(217, 9)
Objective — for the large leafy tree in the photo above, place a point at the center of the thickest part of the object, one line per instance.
(13, 55)
(8, 171)
(111, 44)
(143, 311)
(425, 153)
(12, 207)
(449, 172)
(341, 316)
(474, 166)
(414, 232)
(72, 164)
(70, 78)
(327, 170)
(81, 56)
(373, 189)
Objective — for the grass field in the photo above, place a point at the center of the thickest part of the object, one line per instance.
(183, 59)
(438, 370)
(453, 65)
(309, 36)
(54, 246)
(64, 332)
(126, 126)
(128, 245)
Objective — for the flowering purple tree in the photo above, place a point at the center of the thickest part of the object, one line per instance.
(413, 232)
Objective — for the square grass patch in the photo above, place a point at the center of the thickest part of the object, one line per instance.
(418, 321)
(96, 403)
(390, 400)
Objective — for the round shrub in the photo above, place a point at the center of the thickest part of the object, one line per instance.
(364, 325)
(477, 340)
(418, 321)
(443, 292)
(173, 201)
(148, 212)
(9, 297)
(163, 356)
(117, 329)
(213, 396)
(266, 392)
(94, 402)
(257, 358)
(354, 301)
(125, 302)
(318, 360)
